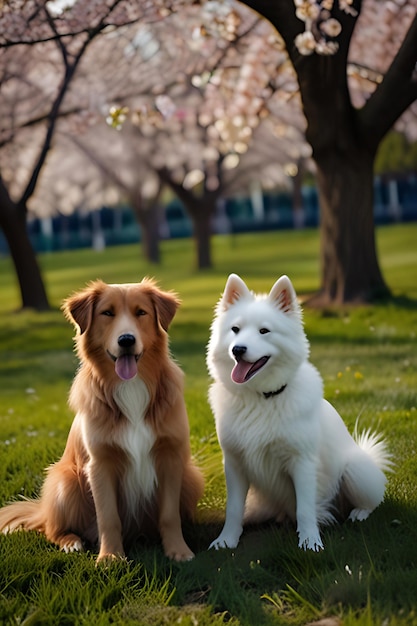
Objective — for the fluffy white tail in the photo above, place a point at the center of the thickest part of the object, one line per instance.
(373, 444)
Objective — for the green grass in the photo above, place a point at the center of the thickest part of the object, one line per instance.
(367, 573)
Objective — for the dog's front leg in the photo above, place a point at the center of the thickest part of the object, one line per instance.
(104, 489)
(170, 472)
(237, 486)
(305, 485)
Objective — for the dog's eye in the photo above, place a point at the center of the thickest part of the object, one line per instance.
(235, 329)
(108, 313)
(140, 312)
(264, 331)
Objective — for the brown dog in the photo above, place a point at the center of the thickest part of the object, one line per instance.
(127, 464)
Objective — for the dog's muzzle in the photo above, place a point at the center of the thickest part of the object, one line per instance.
(125, 364)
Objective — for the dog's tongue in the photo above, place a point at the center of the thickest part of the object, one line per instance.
(243, 370)
(126, 366)
(240, 371)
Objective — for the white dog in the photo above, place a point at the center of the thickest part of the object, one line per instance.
(281, 441)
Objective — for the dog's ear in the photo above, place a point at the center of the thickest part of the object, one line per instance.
(78, 308)
(166, 303)
(234, 290)
(283, 295)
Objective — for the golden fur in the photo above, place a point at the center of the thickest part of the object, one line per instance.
(127, 466)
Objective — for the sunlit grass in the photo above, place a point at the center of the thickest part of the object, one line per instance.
(368, 360)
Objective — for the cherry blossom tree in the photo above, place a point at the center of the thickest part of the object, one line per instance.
(42, 45)
(336, 46)
(224, 120)
(203, 119)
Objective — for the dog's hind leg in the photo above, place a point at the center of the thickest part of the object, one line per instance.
(259, 509)
(278, 506)
(363, 484)
(68, 508)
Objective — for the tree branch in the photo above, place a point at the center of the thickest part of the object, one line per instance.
(70, 69)
(166, 178)
(282, 16)
(322, 79)
(396, 92)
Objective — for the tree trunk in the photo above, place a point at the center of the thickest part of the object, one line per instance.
(344, 152)
(201, 209)
(349, 263)
(201, 212)
(298, 211)
(13, 224)
(149, 221)
(150, 236)
(202, 235)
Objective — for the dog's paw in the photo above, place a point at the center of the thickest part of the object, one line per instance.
(107, 559)
(223, 542)
(71, 543)
(176, 549)
(359, 515)
(181, 557)
(76, 546)
(217, 545)
(311, 542)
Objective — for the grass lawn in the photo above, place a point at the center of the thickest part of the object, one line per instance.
(367, 573)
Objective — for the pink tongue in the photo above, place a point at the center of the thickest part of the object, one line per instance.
(126, 366)
(240, 371)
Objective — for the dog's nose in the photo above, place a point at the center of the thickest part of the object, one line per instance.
(126, 340)
(238, 351)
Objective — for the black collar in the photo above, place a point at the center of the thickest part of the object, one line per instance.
(269, 394)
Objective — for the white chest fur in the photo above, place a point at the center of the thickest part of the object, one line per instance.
(137, 440)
